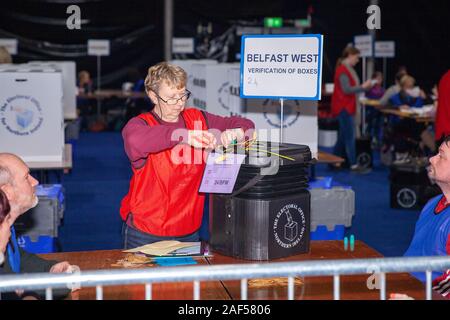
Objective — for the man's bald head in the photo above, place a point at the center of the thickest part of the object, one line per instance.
(17, 183)
(8, 162)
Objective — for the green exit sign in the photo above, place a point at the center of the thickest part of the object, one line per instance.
(273, 22)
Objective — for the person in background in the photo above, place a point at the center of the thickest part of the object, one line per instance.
(406, 132)
(392, 90)
(5, 56)
(373, 115)
(409, 95)
(18, 186)
(163, 201)
(85, 104)
(442, 124)
(344, 104)
(432, 232)
(84, 82)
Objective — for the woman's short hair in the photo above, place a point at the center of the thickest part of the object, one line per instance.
(405, 79)
(4, 206)
(171, 74)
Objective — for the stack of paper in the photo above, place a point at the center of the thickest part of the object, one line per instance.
(169, 248)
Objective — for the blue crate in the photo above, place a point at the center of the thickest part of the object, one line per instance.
(326, 182)
(322, 233)
(43, 244)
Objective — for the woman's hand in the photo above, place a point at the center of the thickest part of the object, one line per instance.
(367, 84)
(201, 139)
(229, 135)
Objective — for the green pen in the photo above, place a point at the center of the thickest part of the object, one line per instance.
(352, 243)
(345, 243)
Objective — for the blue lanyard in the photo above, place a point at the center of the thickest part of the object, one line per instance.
(13, 255)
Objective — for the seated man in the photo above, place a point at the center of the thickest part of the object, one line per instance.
(19, 187)
(432, 233)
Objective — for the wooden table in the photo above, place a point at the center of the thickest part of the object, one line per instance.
(66, 163)
(111, 93)
(100, 95)
(100, 260)
(43, 166)
(408, 115)
(321, 288)
(352, 287)
(324, 157)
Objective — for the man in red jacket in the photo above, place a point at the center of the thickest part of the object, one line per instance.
(443, 108)
(163, 202)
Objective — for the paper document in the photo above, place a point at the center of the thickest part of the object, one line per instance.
(169, 248)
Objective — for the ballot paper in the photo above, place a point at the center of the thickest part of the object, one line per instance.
(221, 172)
(169, 248)
(426, 110)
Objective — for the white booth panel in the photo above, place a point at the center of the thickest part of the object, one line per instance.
(31, 118)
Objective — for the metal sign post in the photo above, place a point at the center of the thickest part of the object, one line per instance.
(282, 119)
(99, 103)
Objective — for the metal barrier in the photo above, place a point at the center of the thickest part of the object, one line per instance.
(242, 272)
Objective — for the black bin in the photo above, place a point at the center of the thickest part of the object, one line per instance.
(268, 214)
(410, 187)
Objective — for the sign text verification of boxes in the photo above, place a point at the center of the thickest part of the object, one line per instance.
(31, 117)
(281, 66)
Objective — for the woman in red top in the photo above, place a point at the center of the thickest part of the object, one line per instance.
(166, 148)
(344, 103)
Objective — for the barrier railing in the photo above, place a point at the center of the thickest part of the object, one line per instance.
(243, 272)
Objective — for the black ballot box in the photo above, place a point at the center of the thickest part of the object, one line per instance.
(410, 187)
(268, 214)
(364, 155)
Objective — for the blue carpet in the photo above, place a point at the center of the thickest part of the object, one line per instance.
(100, 179)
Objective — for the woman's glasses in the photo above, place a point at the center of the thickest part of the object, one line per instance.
(174, 101)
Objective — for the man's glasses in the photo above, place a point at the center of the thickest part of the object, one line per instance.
(174, 101)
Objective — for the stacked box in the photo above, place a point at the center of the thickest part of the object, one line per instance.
(38, 228)
(268, 214)
(410, 187)
(332, 209)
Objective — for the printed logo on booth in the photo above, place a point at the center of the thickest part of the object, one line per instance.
(289, 226)
(272, 113)
(223, 93)
(21, 115)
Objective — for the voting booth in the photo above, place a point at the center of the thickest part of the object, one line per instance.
(69, 79)
(211, 87)
(31, 115)
(187, 66)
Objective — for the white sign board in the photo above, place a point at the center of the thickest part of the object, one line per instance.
(183, 45)
(384, 49)
(98, 47)
(299, 121)
(281, 66)
(10, 45)
(364, 43)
